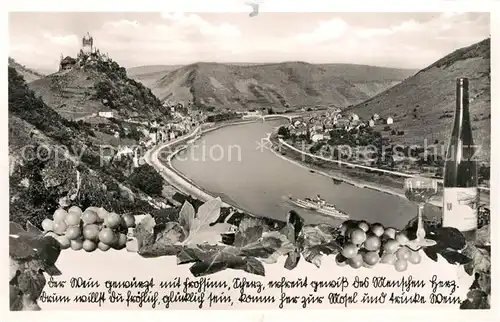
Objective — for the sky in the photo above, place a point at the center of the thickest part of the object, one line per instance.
(401, 40)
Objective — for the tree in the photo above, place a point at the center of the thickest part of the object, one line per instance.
(283, 131)
(148, 180)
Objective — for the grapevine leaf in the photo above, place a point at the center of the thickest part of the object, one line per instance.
(189, 255)
(15, 228)
(16, 298)
(484, 281)
(31, 283)
(448, 237)
(210, 234)
(292, 260)
(476, 300)
(169, 233)
(315, 253)
(454, 257)
(289, 232)
(269, 247)
(254, 266)
(431, 253)
(144, 229)
(257, 250)
(480, 260)
(20, 249)
(296, 223)
(201, 230)
(249, 235)
(14, 267)
(215, 262)
(318, 240)
(197, 253)
(49, 250)
(204, 268)
(186, 216)
(313, 235)
(483, 235)
(248, 222)
(208, 213)
(159, 249)
(228, 239)
(32, 229)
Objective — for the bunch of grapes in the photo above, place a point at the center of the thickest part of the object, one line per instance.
(90, 229)
(366, 245)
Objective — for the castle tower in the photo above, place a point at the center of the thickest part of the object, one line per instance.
(87, 44)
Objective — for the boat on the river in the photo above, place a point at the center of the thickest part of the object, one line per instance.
(319, 205)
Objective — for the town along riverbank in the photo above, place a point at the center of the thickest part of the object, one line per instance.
(357, 176)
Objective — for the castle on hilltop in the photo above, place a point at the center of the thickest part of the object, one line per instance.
(88, 54)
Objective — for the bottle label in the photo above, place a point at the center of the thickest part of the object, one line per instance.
(460, 208)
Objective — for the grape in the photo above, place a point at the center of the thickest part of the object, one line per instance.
(76, 210)
(91, 232)
(103, 246)
(391, 246)
(356, 261)
(113, 220)
(349, 250)
(415, 257)
(59, 215)
(390, 232)
(401, 238)
(358, 236)
(51, 234)
(343, 229)
(129, 221)
(364, 225)
(102, 213)
(403, 253)
(76, 244)
(340, 260)
(94, 209)
(73, 232)
(122, 240)
(60, 227)
(89, 217)
(64, 241)
(388, 259)
(47, 224)
(73, 218)
(377, 229)
(401, 265)
(372, 243)
(371, 258)
(89, 245)
(107, 236)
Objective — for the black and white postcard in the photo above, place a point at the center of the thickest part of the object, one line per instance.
(262, 157)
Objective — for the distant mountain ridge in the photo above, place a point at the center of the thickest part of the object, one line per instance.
(243, 86)
(423, 105)
(28, 74)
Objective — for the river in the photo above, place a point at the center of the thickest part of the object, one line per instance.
(230, 163)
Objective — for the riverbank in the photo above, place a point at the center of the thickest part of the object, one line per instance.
(363, 177)
(161, 157)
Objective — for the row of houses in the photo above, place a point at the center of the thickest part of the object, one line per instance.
(318, 126)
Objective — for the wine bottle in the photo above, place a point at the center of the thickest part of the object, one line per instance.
(461, 193)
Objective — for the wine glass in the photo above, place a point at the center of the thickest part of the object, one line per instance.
(420, 190)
